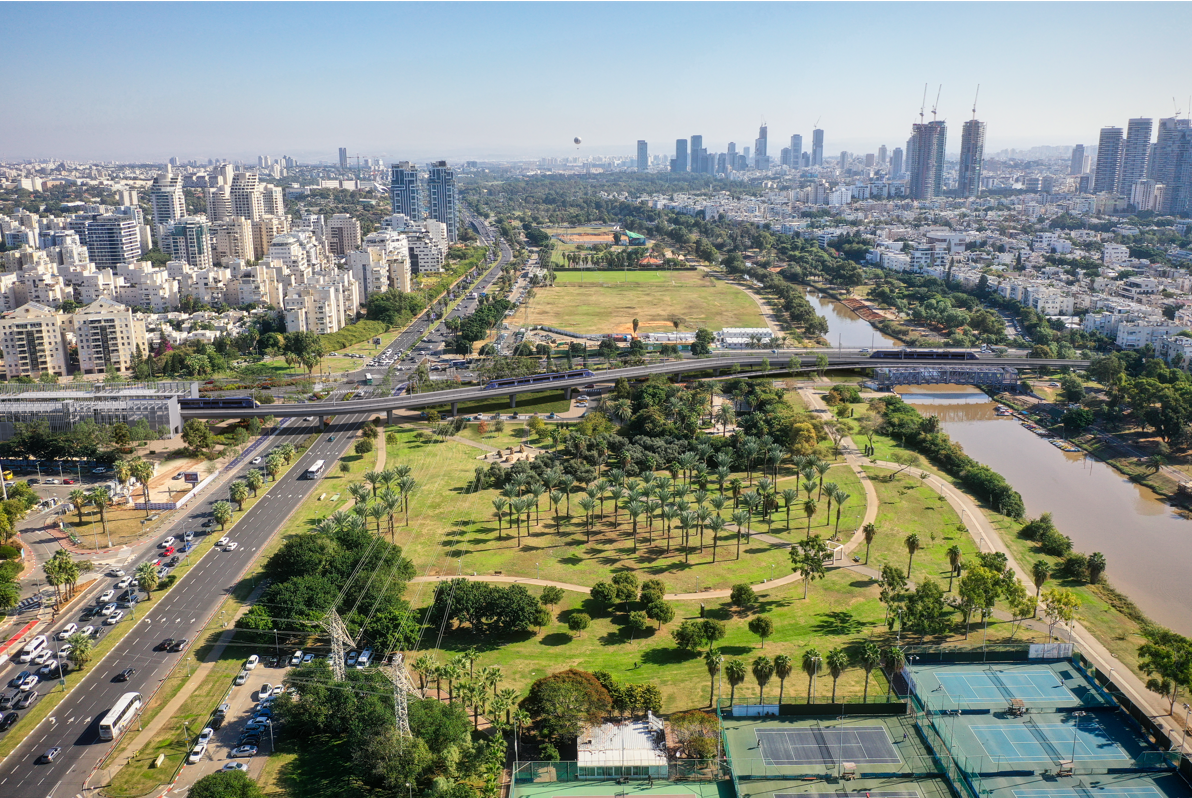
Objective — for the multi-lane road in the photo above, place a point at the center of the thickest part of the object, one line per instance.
(179, 613)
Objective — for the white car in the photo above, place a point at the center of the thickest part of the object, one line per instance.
(309, 418)
(40, 657)
(197, 753)
(252, 662)
(29, 682)
(87, 631)
(205, 735)
(223, 541)
(235, 766)
(115, 618)
(108, 609)
(296, 659)
(68, 630)
(116, 572)
(264, 690)
(256, 461)
(166, 543)
(277, 691)
(66, 649)
(189, 536)
(123, 583)
(231, 546)
(106, 597)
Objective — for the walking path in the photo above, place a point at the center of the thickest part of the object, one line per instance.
(380, 449)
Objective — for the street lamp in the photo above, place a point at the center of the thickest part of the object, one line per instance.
(1078, 714)
(276, 647)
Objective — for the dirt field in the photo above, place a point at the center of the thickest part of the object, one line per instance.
(607, 302)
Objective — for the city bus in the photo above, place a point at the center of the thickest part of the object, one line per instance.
(368, 379)
(315, 470)
(116, 721)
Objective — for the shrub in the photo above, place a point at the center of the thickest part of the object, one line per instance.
(9, 552)
(743, 596)
(1054, 543)
(1074, 566)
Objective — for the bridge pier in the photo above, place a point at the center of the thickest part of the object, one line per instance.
(389, 416)
(715, 372)
(567, 394)
(455, 408)
(513, 400)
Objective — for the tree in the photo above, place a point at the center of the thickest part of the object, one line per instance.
(783, 666)
(564, 702)
(238, 492)
(689, 636)
(146, 574)
(837, 662)
(807, 559)
(1168, 656)
(712, 630)
(871, 657)
(1076, 419)
(660, 611)
(638, 621)
(870, 533)
(763, 669)
(197, 435)
(712, 661)
(81, 648)
(1040, 573)
(1097, 566)
(101, 497)
(363, 446)
(79, 499)
(743, 595)
(734, 670)
(226, 784)
(955, 558)
(551, 595)
(1059, 606)
(577, 622)
(761, 626)
(912, 545)
(979, 589)
(811, 664)
(221, 513)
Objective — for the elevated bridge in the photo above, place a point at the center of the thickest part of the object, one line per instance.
(719, 364)
(946, 374)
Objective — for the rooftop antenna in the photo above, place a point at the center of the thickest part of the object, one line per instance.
(923, 107)
(975, 96)
(937, 102)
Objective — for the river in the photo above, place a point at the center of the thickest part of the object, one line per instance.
(1143, 539)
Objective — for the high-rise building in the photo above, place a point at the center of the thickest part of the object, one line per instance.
(870, 160)
(1134, 154)
(679, 162)
(166, 198)
(761, 148)
(31, 341)
(972, 152)
(108, 336)
(343, 234)
(697, 156)
(882, 155)
(1161, 167)
(404, 190)
(1177, 194)
(113, 239)
(817, 148)
(188, 239)
(730, 157)
(796, 151)
(1076, 167)
(1109, 160)
(926, 159)
(343, 157)
(643, 156)
(444, 202)
(246, 197)
(896, 162)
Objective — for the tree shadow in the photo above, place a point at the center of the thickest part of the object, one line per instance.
(555, 639)
(837, 623)
(668, 656)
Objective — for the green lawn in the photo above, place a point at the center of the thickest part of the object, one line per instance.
(607, 302)
(541, 402)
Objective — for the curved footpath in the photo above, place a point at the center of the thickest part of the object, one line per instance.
(982, 531)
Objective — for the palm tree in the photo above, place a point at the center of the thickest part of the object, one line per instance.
(509, 696)
(955, 557)
(712, 661)
(895, 660)
(146, 574)
(408, 487)
(809, 511)
(871, 657)
(377, 512)
(100, 498)
(741, 519)
(716, 524)
(79, 500)
(81, 647)
(789, 497)
(783, 665)
(238, 492)
(821, 467)
(221, 513)
(763, 669)
(734, 669)
(373, 478)
(254, 480)
(588, 505)
(912, 545)
(635, 509)
(811, 665)
(870, 532)
(556, 498)
(1040, 573)
(837, 662)
(841, 498)
(423, 666)
(360, 493)
(143, 471)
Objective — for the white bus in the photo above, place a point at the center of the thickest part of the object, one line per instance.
(315, 470)
(116, 721)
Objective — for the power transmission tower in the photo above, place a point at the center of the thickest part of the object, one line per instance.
(338, 632)
(395, 672)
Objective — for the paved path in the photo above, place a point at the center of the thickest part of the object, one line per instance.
(380, 450)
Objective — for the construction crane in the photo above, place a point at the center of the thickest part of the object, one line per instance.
(1177, 108)
(975, 96)
(937, 102)
(923, 107)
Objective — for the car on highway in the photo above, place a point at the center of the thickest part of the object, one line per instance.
(196, 753)
(223, 541)
(49, 670)
(241, 678)
(165, 544)
(108, 609)
(123, 583)
(40, 657)
(168, 551)
(115, 618)
(309, 418)
(8, 720)
(331, 439)
(116, 572)
(178, 644)
(68, 630)
(20, 677)
(50, 755)
(87, 631)
(29, 682)
(252, 662)
(164, 645)
(126, 674)
(244, 750)
(66, 649)
(189, 536)
(106, 597)
(257, 461)
(173, 563)
(210, 522)
(26, 699)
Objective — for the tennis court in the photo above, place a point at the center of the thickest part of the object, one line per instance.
(1086, 741)
(832, 787)
(1035, 685)
(1138, 791)
(995, 686)
(814, 745)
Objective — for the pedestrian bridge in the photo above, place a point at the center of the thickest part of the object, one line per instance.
(946, 374)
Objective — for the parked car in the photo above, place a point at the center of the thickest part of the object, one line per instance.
(241, 678)
(252, 662)
(196, 753)
(235, 766)
(296, 659)
(244, 750)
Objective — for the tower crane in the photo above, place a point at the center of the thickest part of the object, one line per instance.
(937, 102)
(975, 96)
(923, 107)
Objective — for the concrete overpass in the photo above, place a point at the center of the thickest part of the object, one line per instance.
(718, 364)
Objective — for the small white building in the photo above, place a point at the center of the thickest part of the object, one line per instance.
(743, 337)
(636, 749)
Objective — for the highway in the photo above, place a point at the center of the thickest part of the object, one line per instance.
(181, 612)
(754, 358)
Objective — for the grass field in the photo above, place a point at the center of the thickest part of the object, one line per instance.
(607, 302)
(541, 402)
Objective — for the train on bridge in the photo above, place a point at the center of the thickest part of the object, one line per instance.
(534, 379)
(934, 355)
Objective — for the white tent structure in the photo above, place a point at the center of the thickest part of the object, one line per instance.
(634, 749)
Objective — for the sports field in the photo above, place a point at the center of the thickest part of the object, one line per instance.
(608, 301)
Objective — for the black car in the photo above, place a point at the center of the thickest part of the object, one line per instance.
(173, 561)
(89, 613)
(178, 644)
(271, 662)
(7, 721)
(164, 645)
(125, 675)
(249, 739)
(208, 523)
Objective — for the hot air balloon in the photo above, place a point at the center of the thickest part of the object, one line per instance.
(578, 141)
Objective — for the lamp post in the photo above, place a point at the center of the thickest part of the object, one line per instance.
(1078, 714)
(814, 674)
(276, 647)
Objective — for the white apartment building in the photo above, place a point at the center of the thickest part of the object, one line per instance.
(427, 241)
(188, 239)
(251, 284)
(32, 342)
(314, 308)
(107, 335)
(1114, 253)
(382, 263)
(1135, 335)
(232, 239)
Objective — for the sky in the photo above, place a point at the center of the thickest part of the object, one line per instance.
(422, 81)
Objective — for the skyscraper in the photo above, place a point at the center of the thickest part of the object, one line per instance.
(731, 158)
(113, 240)
(343, 157)
(697, 156)
(882, 155)
(166, 198)
(643, 156)
(444, 204)
(188, 239)
(761, 148)
(796, 151)
(843, 160)
(1077, 165)
(896, 162)
(1134, 154)
(817, 148)
(679, 162)
(1161, 168)
(404, 190)
(926, 159)
(972, 151)
(1109, 160)
(1177, 195)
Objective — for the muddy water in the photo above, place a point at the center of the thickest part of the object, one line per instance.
(1143, 539)
(845, 328)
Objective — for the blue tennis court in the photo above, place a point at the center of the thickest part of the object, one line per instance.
(992, 686)
(1035, 742)
(1140, 791)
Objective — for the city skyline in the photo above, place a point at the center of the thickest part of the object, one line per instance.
(1018, 101)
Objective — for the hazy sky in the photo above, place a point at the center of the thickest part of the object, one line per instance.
(146, 81)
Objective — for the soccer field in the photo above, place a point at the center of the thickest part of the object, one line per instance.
(608, 301)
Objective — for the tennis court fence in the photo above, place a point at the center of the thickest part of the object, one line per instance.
(543, 772)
